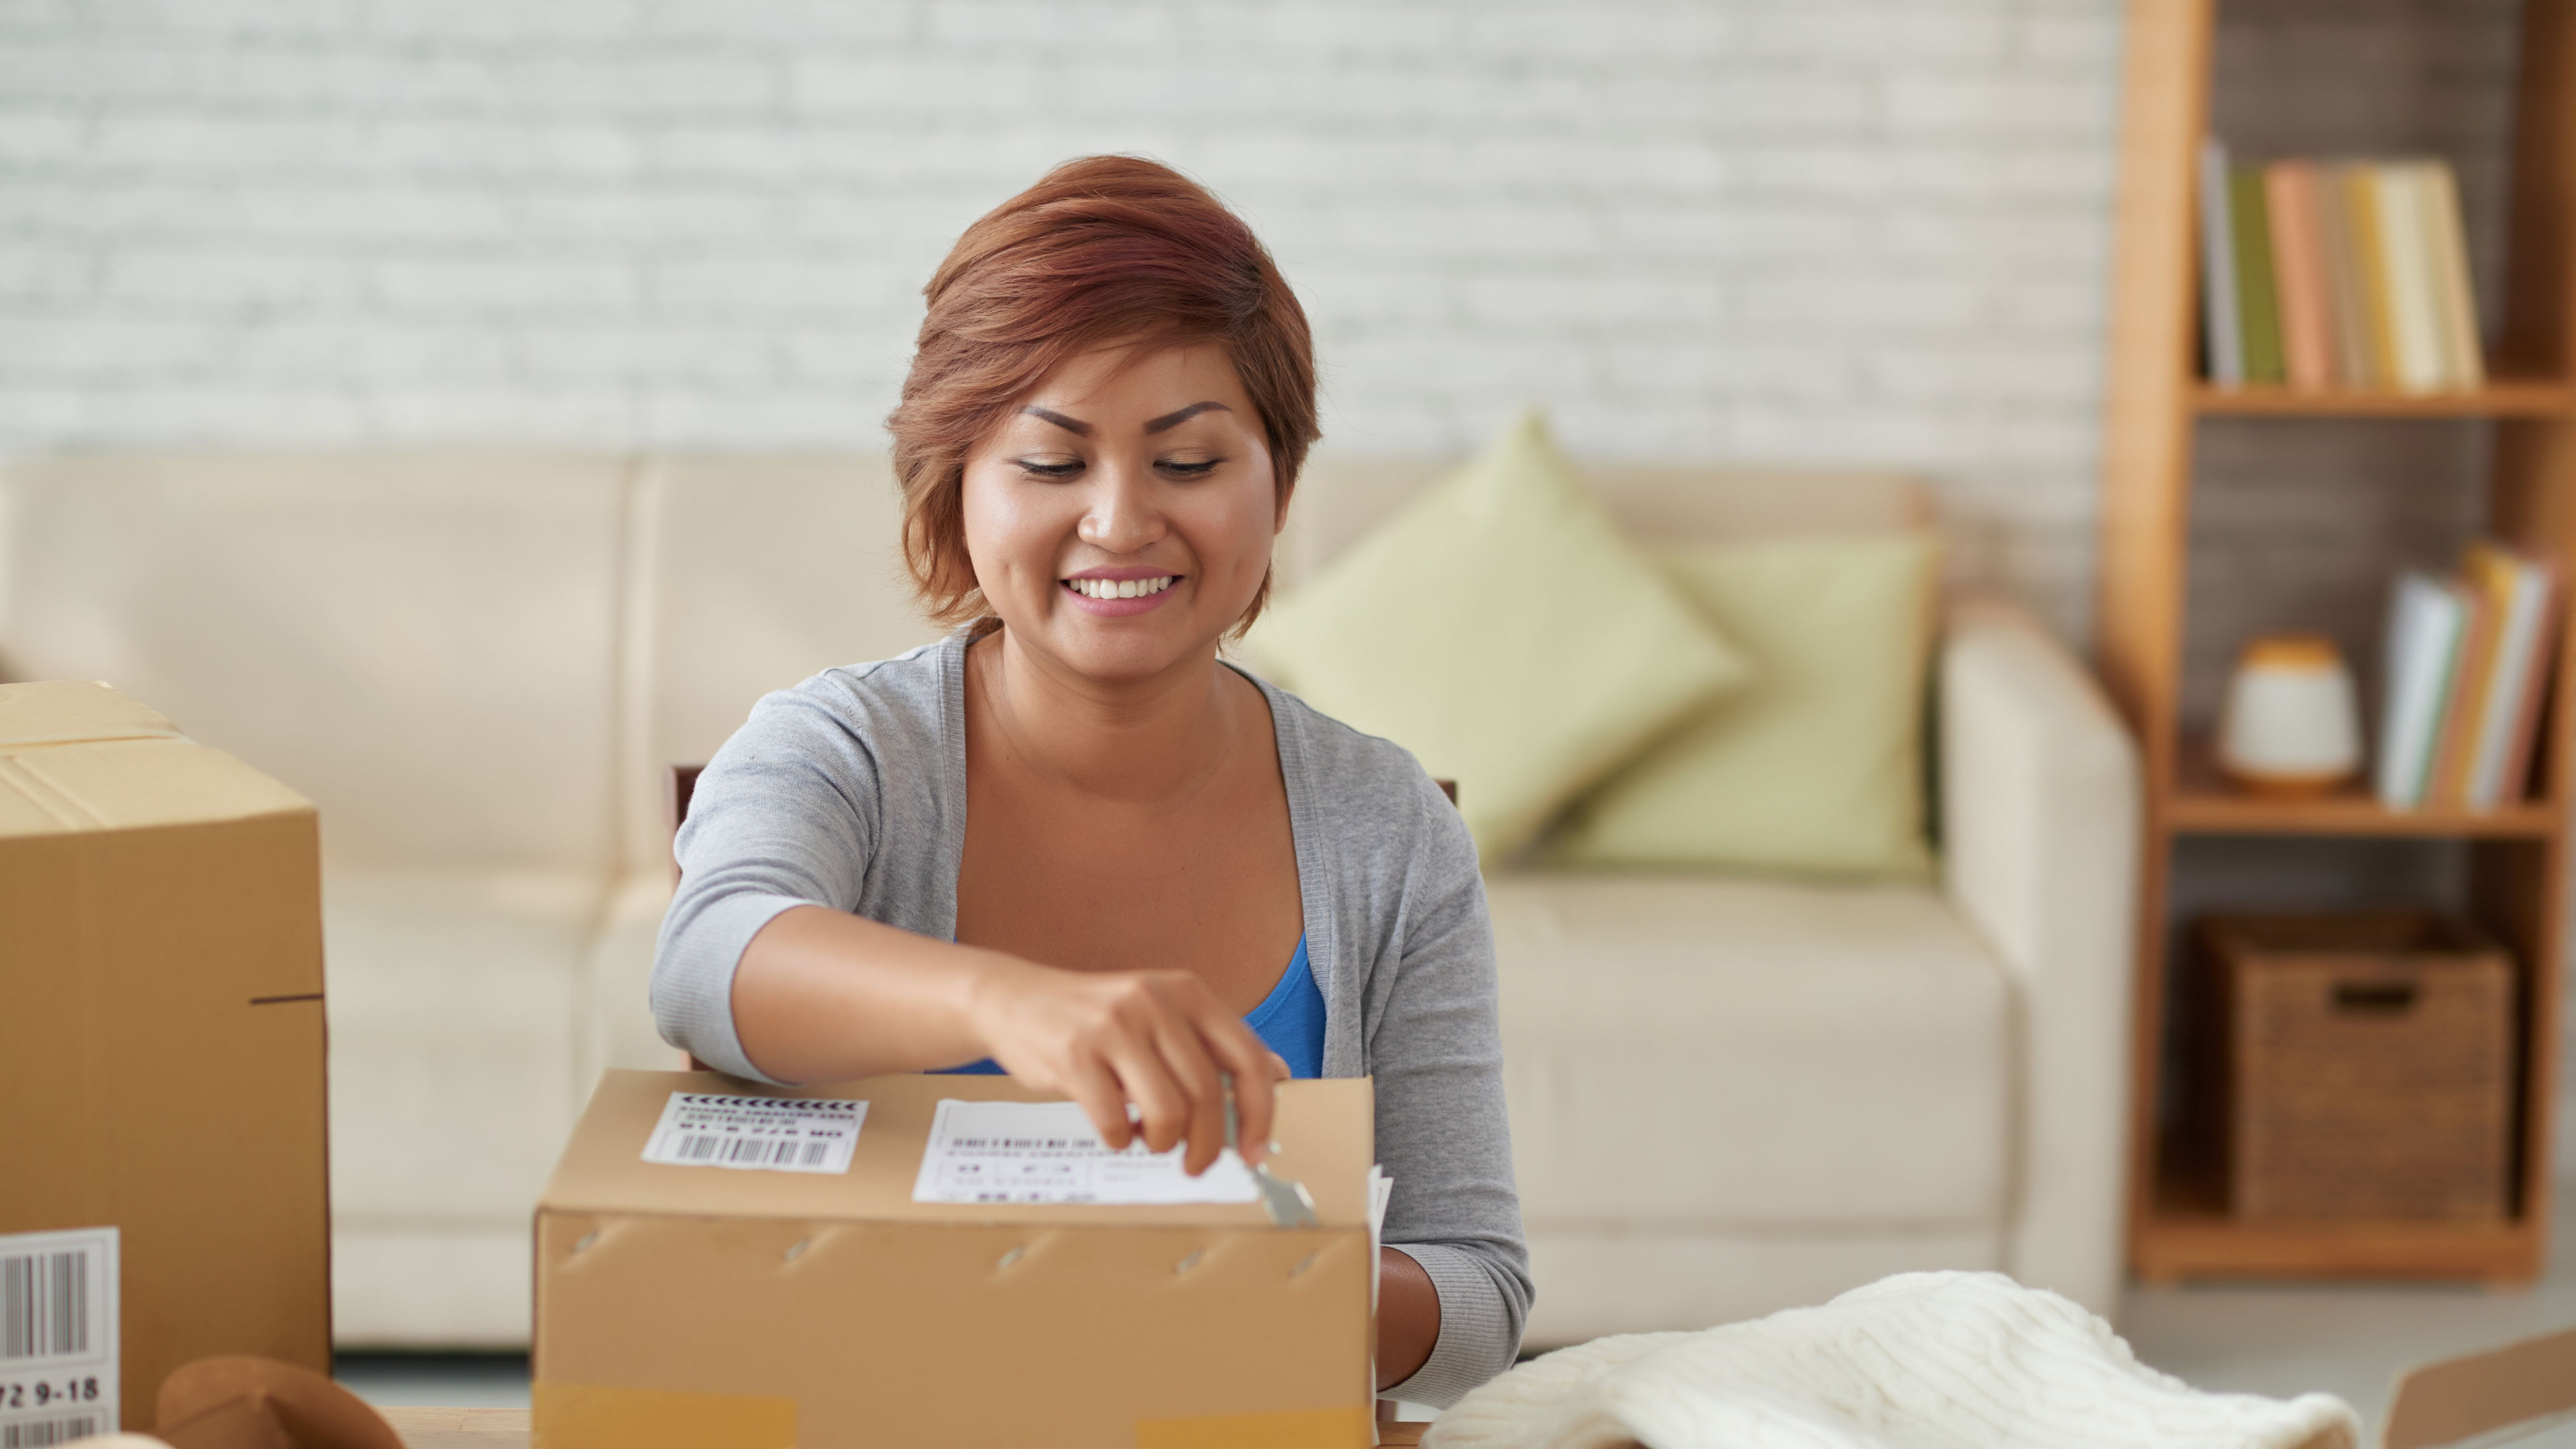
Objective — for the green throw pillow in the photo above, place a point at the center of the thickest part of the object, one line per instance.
(1501, 629)
(1816, 765)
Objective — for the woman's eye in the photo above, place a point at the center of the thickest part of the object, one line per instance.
(1036, 468)
(1189, 470)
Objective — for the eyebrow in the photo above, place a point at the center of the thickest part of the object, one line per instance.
(1075, 426)
(1174, 420)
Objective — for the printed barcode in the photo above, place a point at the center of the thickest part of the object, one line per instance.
(707, 1147)
(45, 1433)
(44, 1306)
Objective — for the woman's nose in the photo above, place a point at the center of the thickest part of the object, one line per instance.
(1122, 516)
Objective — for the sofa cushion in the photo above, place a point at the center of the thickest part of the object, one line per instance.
(755, 573)
(414, 1286)
(425, 645)
(1503, 631)
(1813, 765)
(451, 997)
(1619, 1278)
(1738, 1052)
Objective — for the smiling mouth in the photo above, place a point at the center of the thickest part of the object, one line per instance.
(1121, 588)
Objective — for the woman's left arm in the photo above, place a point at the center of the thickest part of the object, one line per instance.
(1434, 1045)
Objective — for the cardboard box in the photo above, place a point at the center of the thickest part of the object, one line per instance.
(2520, 1387)
(161, 1061)
(696, 1305)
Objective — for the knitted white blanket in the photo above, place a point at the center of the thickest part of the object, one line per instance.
(1917, 1361)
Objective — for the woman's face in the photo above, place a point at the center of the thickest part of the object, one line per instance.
(1120, 520)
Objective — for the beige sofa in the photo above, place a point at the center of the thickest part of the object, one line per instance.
(1728, 1095)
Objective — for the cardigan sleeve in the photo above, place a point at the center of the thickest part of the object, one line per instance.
(1434, 1045)
(784, 815)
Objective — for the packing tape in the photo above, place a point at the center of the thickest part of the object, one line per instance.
(601, 1416)
(1343, 1428)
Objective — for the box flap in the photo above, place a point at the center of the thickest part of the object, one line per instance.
(2480, 1393)
(65, 711)
(129, 784)
(77, 756)
(1326, 1132)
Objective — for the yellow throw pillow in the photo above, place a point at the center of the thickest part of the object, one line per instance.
(1815, 766)
(1500, 629)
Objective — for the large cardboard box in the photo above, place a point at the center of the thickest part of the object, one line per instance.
(698, 1306)
(162, 1179)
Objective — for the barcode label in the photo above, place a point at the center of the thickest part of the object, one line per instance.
(44, 1304)
(704, 1148)
(45, 1433)
(58, 1336)
(773, 1134)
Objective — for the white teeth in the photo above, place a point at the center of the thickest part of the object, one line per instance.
(1121, 588)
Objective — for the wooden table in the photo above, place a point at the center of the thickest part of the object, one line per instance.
(460, 1428)
(508, 1429)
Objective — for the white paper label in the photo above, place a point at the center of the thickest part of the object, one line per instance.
(1046, 1152)
(765, 1134)
(58, 1343)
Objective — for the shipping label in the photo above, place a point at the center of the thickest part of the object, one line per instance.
(1047, 1152)
(58, 1337)
(767, 1134)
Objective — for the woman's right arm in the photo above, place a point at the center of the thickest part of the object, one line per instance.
(765, 969)
(824, 996)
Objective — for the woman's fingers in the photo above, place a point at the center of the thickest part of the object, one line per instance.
(1239, 1051)
(1150, 1085)
(1096, 1088)
(1196, 1071)
(1158, 1040)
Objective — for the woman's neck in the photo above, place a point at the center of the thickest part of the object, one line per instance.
(1141, 741)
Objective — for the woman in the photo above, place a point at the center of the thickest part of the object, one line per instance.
(1068, 840)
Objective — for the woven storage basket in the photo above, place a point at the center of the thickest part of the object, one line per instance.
(2360, 1064)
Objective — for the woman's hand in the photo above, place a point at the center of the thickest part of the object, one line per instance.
(1158, 1039)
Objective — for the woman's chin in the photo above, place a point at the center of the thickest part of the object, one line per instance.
(1115, 650)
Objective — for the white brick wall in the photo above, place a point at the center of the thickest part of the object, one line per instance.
(1846, 230)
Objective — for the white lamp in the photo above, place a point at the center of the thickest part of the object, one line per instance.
(2292, 721)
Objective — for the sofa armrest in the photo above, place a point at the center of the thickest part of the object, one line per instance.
(616, 1015)
(2040, 800)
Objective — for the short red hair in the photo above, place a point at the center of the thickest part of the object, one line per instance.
(1104, 250)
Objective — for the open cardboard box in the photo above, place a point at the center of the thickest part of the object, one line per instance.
(761, 1309)
(2516, 1387)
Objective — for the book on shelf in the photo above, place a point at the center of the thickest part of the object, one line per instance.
(2458, 306)
(2427, 619)
(2508, 713)
(2223, 338)
(2349, 274)
(2257, 304)
(2467, 670)
(2299, 274)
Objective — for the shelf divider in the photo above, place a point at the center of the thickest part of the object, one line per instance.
(2203, 802)
(2524, 397)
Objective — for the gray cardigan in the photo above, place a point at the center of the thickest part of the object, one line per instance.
(849, 791)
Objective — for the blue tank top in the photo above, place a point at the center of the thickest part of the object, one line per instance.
(1290, 1021)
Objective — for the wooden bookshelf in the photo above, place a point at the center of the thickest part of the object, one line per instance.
(2517, 856)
